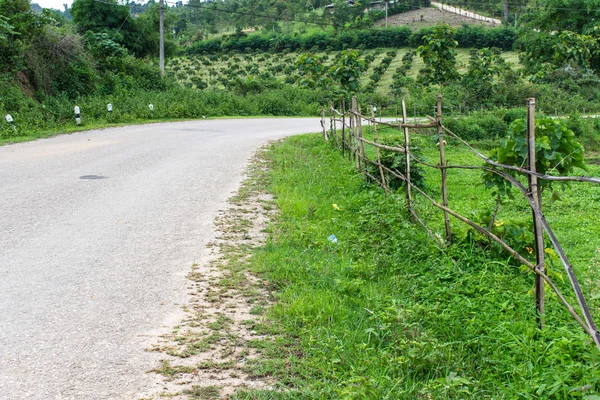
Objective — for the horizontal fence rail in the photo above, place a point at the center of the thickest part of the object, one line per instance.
(352, 143)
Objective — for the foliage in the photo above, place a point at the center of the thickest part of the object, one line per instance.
(130, 98)
(468, 37)
(556, 151)
(59, 65)
(477, 127)
(18, 27)
(484, 65)
(397, 161)
(439, 56)
(575, 48)
(138, 35)
(383, 313)
(311, 71)
(342, 13)
(560, 15)
(347, 71)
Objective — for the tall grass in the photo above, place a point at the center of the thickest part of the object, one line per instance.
(54, 114)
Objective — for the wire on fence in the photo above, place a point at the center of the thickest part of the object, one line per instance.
(353, 141)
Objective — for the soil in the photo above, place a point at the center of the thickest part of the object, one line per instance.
(425, 17)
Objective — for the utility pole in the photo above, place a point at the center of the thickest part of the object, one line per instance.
(386, 13)
(162, 38)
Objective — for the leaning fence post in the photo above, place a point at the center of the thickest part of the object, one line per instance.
(407, 161)
(376, 140)
(323, 123)
(441, 145)
(538, 231)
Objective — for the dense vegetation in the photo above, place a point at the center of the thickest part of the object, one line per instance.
(383, 313)
(106, 55)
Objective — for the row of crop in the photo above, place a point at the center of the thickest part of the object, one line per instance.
(467, 36)
(229, 70)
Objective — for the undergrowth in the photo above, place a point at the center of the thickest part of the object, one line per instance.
(35, 118)
(382, 313)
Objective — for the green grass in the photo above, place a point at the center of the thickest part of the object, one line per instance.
(385, 314)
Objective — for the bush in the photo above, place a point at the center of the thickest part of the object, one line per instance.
(396, 161)
(467, 36)
(477, 127)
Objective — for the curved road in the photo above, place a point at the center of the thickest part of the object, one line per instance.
(97, 232)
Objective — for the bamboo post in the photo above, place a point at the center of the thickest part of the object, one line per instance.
(351, 134)
(538, 231)
(343, 128)
(443, 170)
(361, 145)
(376, 140)
(323, 123)
(407, 161)
(354, 133)
(332, 124)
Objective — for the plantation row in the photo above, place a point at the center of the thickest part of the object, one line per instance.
(385, 71)
(468, 36)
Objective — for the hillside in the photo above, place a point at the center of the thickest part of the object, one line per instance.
(429, 16)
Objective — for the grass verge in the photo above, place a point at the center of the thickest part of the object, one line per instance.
(384, 314)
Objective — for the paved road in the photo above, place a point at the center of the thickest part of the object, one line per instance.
(90, 268)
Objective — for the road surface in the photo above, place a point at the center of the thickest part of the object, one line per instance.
(97, 232)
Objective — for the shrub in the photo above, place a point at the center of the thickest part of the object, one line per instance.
(477, 127)
(396, 161)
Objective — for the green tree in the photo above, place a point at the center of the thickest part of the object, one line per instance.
(312, 72)
(560, 15)
(18, 26)
(575, 48)
(342, 14)
(347, 71)
(484, 65)
(105, 16)
(439, 55)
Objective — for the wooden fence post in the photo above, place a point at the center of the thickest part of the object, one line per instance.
(332, 123)
(351, 133)
(443, 164)
(343, 127)
(354, 133)
(538, 231)
(407, 161)
(376, 140)
(323, 123)
(361, 145)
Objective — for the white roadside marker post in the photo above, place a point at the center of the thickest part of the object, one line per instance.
(77, 115)
(11, 121)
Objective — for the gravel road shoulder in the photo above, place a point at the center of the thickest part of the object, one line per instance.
(210, 352)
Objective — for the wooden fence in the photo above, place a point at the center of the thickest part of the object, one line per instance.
(348, 136)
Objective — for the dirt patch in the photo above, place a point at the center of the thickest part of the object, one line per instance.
(210, 353)
(425, 17)
(25, 83)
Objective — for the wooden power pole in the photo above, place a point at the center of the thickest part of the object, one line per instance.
(162, 38)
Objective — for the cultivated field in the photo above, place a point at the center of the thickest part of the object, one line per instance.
(217, 70)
